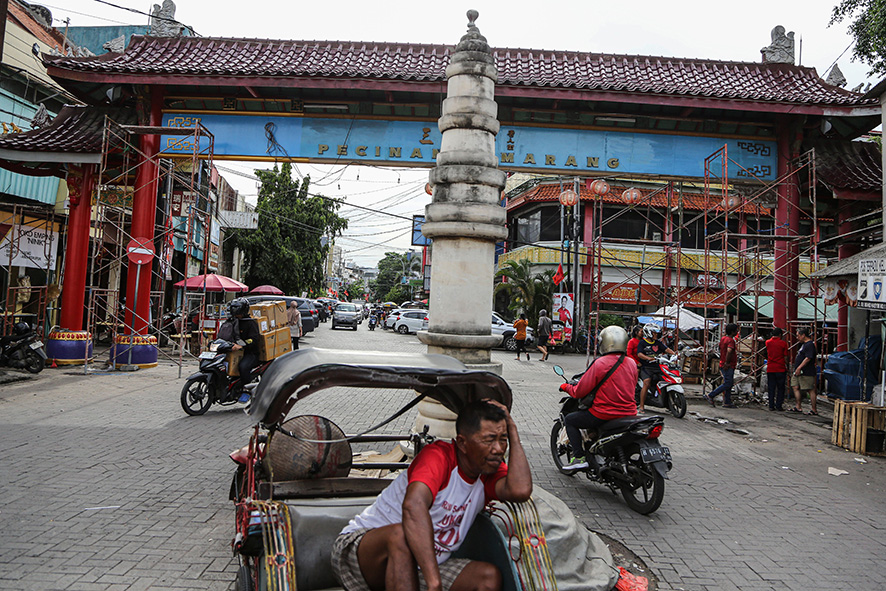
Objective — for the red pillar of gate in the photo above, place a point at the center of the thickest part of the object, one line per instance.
(844, 251)
(144, 208)
(787, 222)
(77, 251)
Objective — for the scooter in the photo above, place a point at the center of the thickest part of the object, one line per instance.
(624, 455)
(212, 384)
(373, 320)
(22, 349)
(666, 392)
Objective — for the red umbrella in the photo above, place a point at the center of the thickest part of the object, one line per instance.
(267, 290)
(211, 282)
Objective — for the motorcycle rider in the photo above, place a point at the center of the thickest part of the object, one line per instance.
(248, 335)
(647, 351)
(614, 398)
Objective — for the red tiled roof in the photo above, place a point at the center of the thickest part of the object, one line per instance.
(694, 201)
(75, 130)
(855, 166)
(259, 58)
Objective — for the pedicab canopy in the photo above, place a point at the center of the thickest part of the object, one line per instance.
(298, 374)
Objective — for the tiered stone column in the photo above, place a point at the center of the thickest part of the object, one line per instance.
(465, 219)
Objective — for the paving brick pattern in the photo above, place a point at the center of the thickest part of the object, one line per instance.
(108, 485)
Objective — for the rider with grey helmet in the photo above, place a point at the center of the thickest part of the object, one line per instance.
(248, 336)
(614, 398)
(647, 350)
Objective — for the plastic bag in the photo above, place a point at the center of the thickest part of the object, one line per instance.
(630, 582)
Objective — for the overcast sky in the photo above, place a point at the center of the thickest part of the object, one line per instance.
(690, 29)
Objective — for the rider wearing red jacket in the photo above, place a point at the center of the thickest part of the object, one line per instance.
(615, 397)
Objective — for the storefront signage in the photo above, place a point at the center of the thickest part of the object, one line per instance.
(871, 274)
(417, 143)
(32, 247)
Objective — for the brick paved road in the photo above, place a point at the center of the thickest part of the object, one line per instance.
(108, 485)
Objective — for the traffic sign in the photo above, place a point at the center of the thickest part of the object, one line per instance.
(140, 251)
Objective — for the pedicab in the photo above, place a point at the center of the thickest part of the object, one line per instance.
(298, 481)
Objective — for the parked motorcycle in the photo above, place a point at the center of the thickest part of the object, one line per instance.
(212, 384)
(666, 392)
(373, 320)
(624, 455)
(23, 349)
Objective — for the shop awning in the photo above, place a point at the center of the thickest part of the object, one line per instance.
(805, 308)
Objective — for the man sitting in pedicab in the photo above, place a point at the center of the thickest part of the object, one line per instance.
(425, 514)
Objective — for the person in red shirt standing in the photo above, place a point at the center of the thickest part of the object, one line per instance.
(776, 368)
(728, 363)
(633, 343)
(615, 397)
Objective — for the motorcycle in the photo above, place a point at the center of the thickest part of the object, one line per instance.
(625, 455)
(23, 349)
(666, 392)
(212, 384)
(373, 320)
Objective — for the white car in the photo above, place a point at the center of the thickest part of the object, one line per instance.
(507, 332)
(411, 321)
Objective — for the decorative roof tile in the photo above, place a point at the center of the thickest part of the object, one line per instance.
(75, 130)
(856, 166)
(259, 58)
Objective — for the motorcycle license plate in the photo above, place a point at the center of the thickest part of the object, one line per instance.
(36, 345)
(208, 355)
(655, 454)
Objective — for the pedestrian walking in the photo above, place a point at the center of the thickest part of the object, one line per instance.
(545, 327)
(294, 324)
(803, 377)
(776, 368)
(634, 343)
(728, 363)
(520, 336)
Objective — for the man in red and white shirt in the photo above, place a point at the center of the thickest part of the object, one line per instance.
(415, 524)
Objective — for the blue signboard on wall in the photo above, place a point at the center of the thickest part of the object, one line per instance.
(416, 143)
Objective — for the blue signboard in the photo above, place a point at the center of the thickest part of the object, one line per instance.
(416, 143)
(419, 239)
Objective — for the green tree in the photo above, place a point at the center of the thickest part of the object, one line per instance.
(867, 27)
(528, 292)
(388, 285)
(286, 249)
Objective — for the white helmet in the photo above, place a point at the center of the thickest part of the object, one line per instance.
(650, 331)
(613, 339)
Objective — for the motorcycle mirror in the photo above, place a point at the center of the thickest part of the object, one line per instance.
(559, 371)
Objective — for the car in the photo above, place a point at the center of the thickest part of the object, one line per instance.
(346, 314)
(394, 315)
(507, 331)
(310, 319)
(411, 321)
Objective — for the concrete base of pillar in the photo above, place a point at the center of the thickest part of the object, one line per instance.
(143, 349)
(69, 347)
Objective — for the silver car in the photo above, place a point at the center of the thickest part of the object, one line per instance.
(346, 314)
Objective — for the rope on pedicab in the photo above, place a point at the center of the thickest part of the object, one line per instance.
(279, 550)
(533, 561)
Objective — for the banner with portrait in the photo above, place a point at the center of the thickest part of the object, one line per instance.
(563, 311)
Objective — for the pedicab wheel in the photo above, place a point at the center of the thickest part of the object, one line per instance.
(33, 362)
(645, 492)
(196, 399)
(677, 404)
(560, 449)
(244, 580)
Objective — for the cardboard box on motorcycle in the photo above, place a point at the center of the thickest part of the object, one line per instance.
(273, 312)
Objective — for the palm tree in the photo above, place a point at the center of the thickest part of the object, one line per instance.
(527, 291)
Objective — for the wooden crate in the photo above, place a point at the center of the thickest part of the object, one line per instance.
(851, 423)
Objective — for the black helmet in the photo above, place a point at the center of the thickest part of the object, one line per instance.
(21, 328)
(239, 307)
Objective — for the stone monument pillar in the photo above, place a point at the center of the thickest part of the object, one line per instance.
(464, 219)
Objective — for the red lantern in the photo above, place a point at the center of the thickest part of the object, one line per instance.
(599, 187)
(632, 196)
(568, 198)
(428, 189)
(731, 202)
